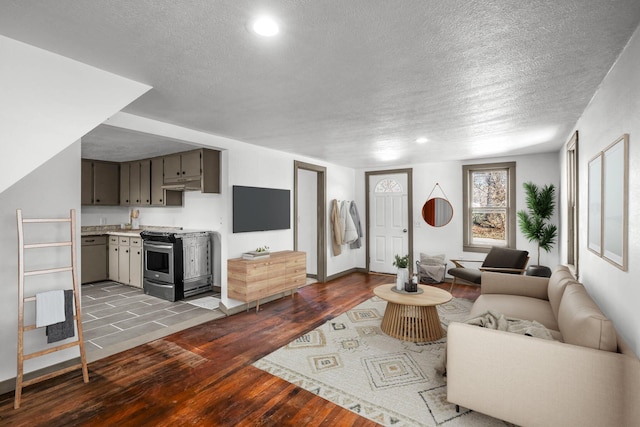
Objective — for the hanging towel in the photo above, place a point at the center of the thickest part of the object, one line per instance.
(355, 217)
(336, 229)
(65, 329)
(349, 234)
(49, 308)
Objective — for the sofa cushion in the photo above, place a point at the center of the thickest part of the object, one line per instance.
(581, 321)
(472, 275)
(518, 307)
(505, 258)
(558, 281)
(507, 284)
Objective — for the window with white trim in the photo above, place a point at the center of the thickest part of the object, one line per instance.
(489, 206)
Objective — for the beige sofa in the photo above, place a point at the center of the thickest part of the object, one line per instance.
(588, 377)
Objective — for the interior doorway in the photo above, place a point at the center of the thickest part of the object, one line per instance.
(389, 218)
(310, 211)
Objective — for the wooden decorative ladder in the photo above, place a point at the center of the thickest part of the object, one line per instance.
(20, 382)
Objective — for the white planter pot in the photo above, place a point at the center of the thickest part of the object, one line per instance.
(402, 277)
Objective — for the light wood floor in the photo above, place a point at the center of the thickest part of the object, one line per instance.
(203, 375)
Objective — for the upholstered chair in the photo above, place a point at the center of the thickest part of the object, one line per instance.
(499, 260)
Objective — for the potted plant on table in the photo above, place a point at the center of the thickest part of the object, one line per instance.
(535, 224)
(402, 263)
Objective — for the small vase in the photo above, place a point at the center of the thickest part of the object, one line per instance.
(401, 278)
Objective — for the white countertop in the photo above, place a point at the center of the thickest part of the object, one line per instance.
(113, 230)
(127, 233)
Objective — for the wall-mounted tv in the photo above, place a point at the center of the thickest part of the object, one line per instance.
(260, 209)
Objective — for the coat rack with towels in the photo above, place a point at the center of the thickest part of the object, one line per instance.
(22, 328)
(345, 225)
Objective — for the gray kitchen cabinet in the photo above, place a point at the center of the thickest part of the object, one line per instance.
(160, 196)
(125, 260)
(193, 170)
(135, 183)
(94, 259)
(100, 182)
(159, 181)
(135, 262)
(125, 198)
(113, 258)
(106, 180)
(145, 182)
(86, 183)
(190, 164)
(182, 167)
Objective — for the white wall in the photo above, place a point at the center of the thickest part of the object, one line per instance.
(540, 169)
(613, 111)
(341, 185)
(41, 91)
(50, 191)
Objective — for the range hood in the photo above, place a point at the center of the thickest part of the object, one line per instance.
(195, 185)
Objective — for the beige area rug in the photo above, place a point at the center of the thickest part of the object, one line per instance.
(351, 362)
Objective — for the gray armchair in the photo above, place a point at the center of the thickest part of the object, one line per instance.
(499, 260)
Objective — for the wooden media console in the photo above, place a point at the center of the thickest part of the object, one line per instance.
(252, 280)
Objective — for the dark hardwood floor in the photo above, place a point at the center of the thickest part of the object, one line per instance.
(203, 375)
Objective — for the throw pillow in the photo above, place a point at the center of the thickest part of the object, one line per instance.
(426, 259)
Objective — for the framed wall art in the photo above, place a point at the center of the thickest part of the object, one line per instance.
(595, 205)
(615, 191)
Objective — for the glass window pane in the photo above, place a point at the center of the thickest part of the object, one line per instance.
(489, 188)
(489, 219)
(388, 185)
(489, 228)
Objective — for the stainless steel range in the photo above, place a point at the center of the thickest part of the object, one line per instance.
(177, 263)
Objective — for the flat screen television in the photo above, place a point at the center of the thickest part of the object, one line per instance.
(260, 209)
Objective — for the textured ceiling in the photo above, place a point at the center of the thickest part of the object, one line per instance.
(352, 82)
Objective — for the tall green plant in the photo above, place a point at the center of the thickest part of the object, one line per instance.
(535, 224)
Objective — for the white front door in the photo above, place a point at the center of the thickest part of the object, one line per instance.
(388, 221)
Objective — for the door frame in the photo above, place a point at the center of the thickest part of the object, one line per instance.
(321, 173)
(573, 204)
(409, 173)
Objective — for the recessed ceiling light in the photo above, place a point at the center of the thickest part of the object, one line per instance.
(265, 26)
(421, 140)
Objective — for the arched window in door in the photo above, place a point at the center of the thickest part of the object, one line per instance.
(388, 185)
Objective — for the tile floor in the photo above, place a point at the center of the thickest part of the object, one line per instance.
(116, 317)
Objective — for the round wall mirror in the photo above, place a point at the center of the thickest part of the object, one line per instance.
(437, 212)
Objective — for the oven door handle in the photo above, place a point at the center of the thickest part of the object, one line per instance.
(155, 245)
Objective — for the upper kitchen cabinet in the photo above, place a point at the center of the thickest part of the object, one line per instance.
(140, 182)
(100, 183)
(125, 196)
(135, 183)
(86, 186)
(159, 195)
(197, 170)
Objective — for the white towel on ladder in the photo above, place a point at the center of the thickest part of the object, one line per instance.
(49, 308)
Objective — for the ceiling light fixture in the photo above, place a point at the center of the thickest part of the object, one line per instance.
(421, 140)
(265, 26)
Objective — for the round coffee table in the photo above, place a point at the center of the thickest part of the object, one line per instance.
(412, 317)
